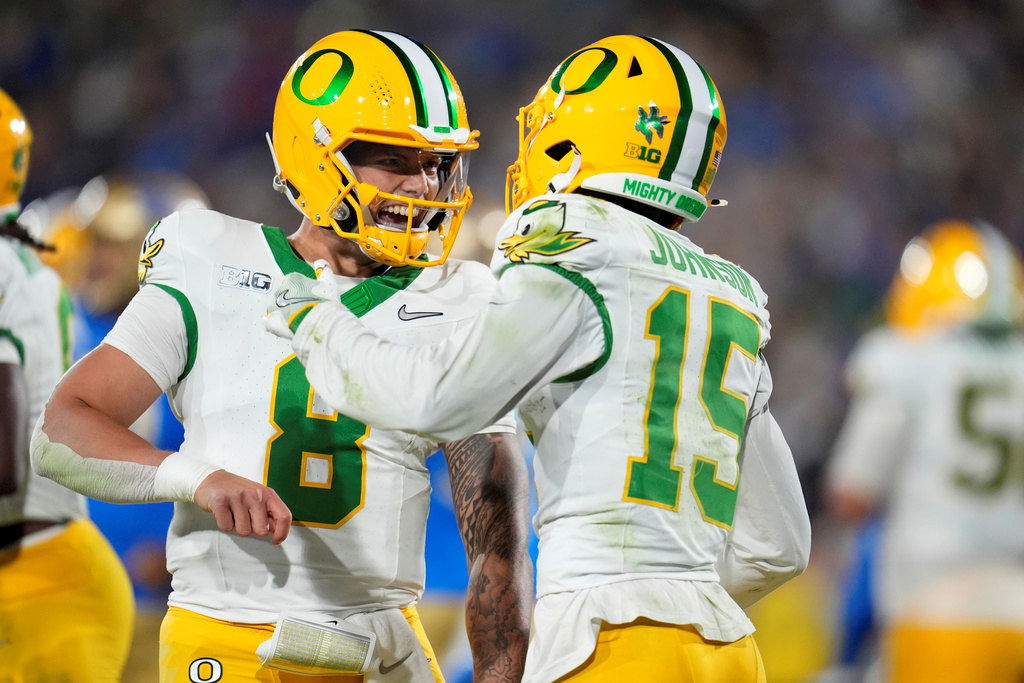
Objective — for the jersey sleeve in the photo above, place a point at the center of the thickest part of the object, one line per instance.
(770, 540)
(158, 328)
(152, 332)
(464, 382)
(878, 417)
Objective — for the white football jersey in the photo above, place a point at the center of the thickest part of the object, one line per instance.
(35, 315)
(951, 470)
(638, 454)
(358, 496)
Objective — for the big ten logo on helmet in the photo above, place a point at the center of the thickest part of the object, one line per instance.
(244, 278)
(643, 153)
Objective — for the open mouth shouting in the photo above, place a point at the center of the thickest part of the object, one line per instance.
(395, 216)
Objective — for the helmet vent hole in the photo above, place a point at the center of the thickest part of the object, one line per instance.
(381, 90)
(558, 150)
(634, 69)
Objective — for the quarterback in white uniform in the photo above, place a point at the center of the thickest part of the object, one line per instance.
(636, 362)
(58, 574)
(345, 504)
(934, 437)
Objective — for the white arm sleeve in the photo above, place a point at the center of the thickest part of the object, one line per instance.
(538, 327)
(118, 481)
(770, 540)
(152, 331)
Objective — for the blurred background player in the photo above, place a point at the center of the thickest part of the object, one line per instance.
(638, 362)
(934, 445)
(371, 138)
(66, 607)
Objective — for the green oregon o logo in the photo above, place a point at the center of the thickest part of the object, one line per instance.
(596, 77)
(334, 88)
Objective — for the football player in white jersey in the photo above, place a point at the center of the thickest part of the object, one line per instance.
(66, 605)
(637, 361)
(935, 441)
(328, 515)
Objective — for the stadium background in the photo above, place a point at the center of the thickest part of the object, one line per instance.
(852, 126)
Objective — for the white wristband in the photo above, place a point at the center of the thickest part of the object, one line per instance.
(178, 477)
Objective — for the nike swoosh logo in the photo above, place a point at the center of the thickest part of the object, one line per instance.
(284, 300)
(388, 668)
(416, 315)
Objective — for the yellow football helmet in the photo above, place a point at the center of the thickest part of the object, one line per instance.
(956, 272)
(15, 138)
(627, 116)
(379, 87)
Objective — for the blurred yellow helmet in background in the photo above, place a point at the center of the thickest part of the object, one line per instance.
(378, 87)
(629, 116)
(956, 272)
(15, 138)
(97, 232)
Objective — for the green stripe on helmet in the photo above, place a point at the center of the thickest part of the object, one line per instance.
(450, 96)
(410, 72)
(709, 141)
(675, 147)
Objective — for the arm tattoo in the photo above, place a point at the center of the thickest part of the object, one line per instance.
(489, 490)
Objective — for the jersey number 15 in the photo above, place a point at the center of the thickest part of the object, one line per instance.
(654, 478)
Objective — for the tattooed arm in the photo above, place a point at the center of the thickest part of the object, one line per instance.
(489, 489)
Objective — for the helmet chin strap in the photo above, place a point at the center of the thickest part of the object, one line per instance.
(560, 181)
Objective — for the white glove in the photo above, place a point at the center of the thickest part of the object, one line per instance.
(295, 297)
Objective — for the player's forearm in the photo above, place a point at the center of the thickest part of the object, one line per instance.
(498, 617)
(489, 490)
(71, 420)
(383, 384)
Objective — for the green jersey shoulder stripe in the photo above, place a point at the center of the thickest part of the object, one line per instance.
(188, 316)
(287, 260)
(18, 344)
(590, 290)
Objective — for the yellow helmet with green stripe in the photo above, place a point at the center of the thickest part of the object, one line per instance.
(379, 87)
(15, 138)
(629, 116)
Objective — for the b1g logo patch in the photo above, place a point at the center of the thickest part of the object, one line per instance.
(149, 250)
(649, 154)
(541, 231)
(243, 278)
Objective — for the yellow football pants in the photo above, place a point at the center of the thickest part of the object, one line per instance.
(66, 609)
(652, 652)
(198, 649)
(939, 655)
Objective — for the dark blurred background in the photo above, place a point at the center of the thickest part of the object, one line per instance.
(852, 126)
